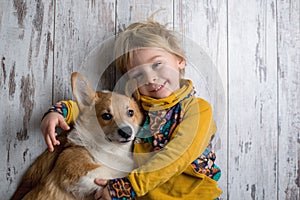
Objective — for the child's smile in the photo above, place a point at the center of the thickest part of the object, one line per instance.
(156, 71)
(158, 88)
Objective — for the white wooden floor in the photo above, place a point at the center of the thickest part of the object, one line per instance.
(253, 83)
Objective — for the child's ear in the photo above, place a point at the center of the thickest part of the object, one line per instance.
(181, 63)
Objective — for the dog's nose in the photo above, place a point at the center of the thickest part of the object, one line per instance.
(125, 132)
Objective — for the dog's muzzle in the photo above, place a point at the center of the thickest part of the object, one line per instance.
(125, 132)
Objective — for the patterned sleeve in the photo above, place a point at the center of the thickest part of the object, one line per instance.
(68, 109)
(121, 189)
(60, 107)
(205, 164)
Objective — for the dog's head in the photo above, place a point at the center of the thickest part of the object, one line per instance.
(109, 115)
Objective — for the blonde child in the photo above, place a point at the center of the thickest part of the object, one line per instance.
(171, 148)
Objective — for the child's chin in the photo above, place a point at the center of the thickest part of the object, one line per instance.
(162, 96)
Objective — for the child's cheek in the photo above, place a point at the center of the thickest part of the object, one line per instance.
(142, 90)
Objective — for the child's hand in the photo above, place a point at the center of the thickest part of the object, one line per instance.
(48, 124)
(102, 194)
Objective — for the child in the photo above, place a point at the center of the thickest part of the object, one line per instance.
(171, 148)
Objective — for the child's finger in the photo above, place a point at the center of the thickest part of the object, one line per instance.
(51, 133)
(64, 125)
(98, 194)
(105, 194)
(49, 143)
(53, 139)
(100, 182)
(102, 194)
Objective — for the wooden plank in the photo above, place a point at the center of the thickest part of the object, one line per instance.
(26, 50)
(252, 161)
(289, 95)
(209, 77)
(140, 10)
(80, 28)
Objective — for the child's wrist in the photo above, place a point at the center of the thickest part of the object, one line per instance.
(59, 107)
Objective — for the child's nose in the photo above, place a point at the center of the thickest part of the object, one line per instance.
(150, 79)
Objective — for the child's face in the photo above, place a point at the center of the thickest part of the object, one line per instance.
(156, 71)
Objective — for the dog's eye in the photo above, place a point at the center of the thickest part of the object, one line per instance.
(130, 113)
(106, 116)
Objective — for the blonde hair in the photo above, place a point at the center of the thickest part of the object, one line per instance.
(140, 35)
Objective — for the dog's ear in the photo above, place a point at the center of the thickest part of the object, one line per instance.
(82, 90)
(131, 89)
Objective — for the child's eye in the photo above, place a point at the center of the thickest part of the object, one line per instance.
(157, 64)
(137, 76)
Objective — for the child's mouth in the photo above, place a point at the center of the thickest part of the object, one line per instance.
(160, 87)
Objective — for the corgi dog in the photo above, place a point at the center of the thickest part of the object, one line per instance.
(98, 146)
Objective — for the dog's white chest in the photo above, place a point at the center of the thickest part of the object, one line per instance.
(114, 163)
(86, 184)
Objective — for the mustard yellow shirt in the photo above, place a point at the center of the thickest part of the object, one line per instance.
(168, 175)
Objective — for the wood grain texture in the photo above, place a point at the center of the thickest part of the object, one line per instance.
(252, 100)
(288, 99)
(26, 49)
(79, 27)
(140, 10)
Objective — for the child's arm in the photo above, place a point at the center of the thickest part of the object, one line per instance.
(61, 114)
(189, 140)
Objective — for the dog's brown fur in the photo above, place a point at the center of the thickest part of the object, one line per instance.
(87, 151)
